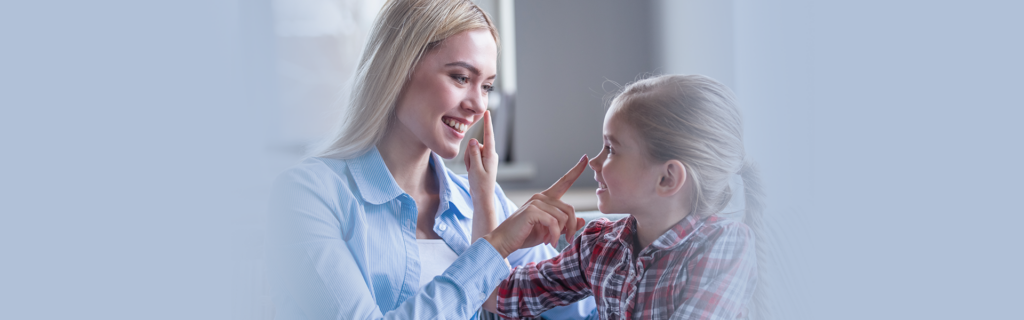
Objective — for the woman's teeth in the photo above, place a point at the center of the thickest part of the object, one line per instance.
(458, 126)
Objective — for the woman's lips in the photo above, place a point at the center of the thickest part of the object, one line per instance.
(455, 124)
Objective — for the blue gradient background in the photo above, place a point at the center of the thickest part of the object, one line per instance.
(134, 142)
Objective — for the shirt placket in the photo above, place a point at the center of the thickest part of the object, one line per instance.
(640, 298)
(407, 214)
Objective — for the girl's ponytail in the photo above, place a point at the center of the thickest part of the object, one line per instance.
(754, 218)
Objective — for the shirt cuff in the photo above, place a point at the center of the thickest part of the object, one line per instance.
(479, 269)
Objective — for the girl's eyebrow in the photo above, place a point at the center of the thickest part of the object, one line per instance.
(611, 139)
(469, 67)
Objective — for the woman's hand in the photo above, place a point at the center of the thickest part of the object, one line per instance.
(482, 165)
(542, 219)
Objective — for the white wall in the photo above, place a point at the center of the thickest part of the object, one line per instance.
(889, 138)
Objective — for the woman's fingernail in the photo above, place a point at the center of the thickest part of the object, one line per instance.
(584, 157)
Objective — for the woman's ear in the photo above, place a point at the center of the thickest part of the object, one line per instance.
(673, 176)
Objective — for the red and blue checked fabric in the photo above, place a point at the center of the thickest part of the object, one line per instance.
(702, 268)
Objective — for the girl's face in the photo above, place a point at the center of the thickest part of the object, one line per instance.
(447, 91)
(625, 177)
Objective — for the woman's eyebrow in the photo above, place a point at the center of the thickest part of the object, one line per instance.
(468, 66)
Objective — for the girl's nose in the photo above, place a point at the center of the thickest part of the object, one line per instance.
(595, 164)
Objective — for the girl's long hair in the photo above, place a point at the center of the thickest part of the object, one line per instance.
(694, 119)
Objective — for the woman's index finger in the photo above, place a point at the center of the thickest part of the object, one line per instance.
(488, 132)
(562, 185)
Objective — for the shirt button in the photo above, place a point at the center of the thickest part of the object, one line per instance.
(482, 296)
(442, 227)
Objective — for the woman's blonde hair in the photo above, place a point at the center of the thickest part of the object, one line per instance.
(402, 32)
(694, 119)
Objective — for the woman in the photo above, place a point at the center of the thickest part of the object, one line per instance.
(376, 226)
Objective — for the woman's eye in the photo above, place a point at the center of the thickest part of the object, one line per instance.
(488, 88)
(461, 79)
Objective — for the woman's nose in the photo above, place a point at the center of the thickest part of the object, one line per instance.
(476, 101)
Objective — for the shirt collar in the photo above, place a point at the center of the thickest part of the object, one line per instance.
(376, 184)
(452, 193)
(680, 232)
(675, 236)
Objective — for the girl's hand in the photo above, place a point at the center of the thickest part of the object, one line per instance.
(482, 166)
(542, 219)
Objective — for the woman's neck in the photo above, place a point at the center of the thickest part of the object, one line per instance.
(408, 160)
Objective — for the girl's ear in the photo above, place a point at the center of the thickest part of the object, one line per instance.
(673, 176)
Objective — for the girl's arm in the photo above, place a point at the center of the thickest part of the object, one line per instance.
(534, 288)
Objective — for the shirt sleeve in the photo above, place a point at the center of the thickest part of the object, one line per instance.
(536, 287)
(315, 275)
(722, 276)
(579, 310)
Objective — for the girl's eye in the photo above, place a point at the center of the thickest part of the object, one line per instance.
(608, 148)
(488, 88)
(461, 79)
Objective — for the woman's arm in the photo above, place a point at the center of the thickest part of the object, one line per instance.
(536, 287)
(545, 199)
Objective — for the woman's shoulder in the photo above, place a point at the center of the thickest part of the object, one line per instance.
(316, 167)
(318, 175)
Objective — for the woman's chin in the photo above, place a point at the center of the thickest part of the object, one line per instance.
(447, 152)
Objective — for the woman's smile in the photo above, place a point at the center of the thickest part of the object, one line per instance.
(459, 125)
(449, 85)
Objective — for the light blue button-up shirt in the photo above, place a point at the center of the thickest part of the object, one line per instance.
(344, 246)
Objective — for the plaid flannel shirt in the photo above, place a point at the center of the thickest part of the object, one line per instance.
(702, 268)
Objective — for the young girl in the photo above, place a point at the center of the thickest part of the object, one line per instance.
(673, 159)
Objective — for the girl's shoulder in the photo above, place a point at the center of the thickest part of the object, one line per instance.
(718, 228)
(603, 230)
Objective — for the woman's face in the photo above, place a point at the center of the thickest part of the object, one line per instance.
(625, 178)
(447, 92)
